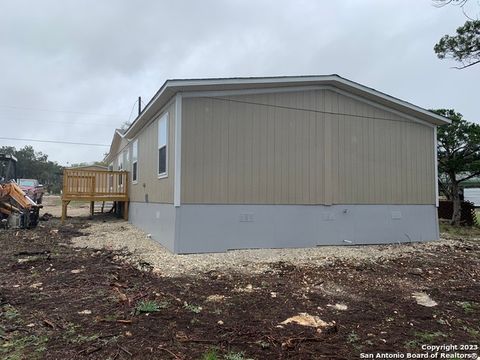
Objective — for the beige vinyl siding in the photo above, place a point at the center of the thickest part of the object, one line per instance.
(158, 190)
(266, 149)
(381, 161)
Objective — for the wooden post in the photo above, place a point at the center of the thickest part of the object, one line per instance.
(64, 210)
(125, 210)
(92, 207)
(94, 186)
(125, 204)
(65, 181)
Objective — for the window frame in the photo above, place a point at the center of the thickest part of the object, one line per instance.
(164, 117)
(135, 160)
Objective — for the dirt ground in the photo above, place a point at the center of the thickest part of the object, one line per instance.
(53, 205)
(58, 301)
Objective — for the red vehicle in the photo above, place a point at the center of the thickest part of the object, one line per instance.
(32, 188)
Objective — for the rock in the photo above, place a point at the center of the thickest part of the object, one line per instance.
(416, 271)
(341, 307)
(423, 299)
(76, 271)
(305, 319)
(36, 285)
(215, 298)
(248, 289)
(273, 294)
(85, 312)
(220, 322)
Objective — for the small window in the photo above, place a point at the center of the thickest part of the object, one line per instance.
(162, 146)
(120, 168)
(120, 163)
(135, 161)
(126, 159)
(126, 152)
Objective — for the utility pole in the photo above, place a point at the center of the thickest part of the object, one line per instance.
(139, 105)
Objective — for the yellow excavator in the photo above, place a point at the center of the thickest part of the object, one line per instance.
(17, 210)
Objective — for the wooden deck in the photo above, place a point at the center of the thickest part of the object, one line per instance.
(93, 186)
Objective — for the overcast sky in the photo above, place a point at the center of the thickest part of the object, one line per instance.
(72, 70)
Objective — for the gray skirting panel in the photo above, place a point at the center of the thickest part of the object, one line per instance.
(218, 228)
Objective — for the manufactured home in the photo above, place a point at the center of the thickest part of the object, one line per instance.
(279, 162)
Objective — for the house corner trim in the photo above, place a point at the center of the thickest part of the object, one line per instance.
(435, 151)
(177, 190)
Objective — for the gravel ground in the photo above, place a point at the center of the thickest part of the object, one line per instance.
(117, 235)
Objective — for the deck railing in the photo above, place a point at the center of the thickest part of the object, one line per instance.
(95, 185)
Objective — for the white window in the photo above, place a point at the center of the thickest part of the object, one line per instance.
(120, 163)
(162, 146)
(120, 168)
(135, 161)
(126, 156)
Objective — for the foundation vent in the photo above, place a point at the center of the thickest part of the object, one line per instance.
(396, 215)
(248, 217)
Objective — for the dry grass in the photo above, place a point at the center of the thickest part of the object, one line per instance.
(464, 232)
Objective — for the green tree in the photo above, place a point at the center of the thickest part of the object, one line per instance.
(35, 165)
(99, 163)
(458, 150)
(464, 46)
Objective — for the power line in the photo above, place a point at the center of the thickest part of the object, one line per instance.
(54, 141)
(69, 122)
(58, 111)
(131, 112)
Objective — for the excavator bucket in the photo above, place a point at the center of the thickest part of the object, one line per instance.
(17, 210)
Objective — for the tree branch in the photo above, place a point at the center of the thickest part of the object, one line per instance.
(469, 177)
(442, 3)
(466, 66)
